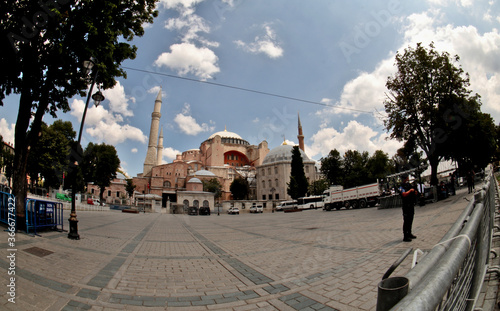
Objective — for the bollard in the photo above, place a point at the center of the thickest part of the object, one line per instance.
(391, 291)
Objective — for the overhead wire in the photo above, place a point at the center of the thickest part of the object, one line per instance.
(247, 90)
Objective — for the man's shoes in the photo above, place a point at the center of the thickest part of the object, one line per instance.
(407, 239)
(412, 236)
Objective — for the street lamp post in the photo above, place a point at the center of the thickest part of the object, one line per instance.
(97, 97)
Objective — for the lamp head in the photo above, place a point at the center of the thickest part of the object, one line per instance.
(98, 98)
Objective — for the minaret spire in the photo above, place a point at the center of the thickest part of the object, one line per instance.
(300, 137)
(152, 155)
(160, 148)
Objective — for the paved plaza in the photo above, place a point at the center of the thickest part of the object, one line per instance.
(310, 260)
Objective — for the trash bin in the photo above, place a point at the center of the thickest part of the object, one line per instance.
(391, 291)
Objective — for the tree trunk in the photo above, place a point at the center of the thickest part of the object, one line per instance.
(434, 168)
(23, 141)
(21, 159)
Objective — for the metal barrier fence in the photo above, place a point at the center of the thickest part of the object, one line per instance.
(7, 208)
(43, 214)
(451, 275)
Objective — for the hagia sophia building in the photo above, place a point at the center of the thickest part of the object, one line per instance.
(223, 155)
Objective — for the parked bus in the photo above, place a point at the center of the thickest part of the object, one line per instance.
(312, 202)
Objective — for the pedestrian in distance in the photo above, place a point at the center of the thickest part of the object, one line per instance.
(452, 184)
(470, 180)
(409, 197)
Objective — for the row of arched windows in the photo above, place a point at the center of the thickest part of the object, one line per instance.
(196, 203)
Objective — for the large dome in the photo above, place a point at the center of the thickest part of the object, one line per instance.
(225, 134)
(281, 154)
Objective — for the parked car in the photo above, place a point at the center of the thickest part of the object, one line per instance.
(256, 209)
(192, 210)
(63, 196)
(204, 210)
(91, 201)
(233, 211)
(287, 205)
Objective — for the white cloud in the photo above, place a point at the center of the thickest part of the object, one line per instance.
(192, 55)
(7, 131)
(354, 136)
(173, 4)
(104, 126)
(365, 93)
(479, 56)
(156, 89)
(189, 125)
(479, 53)
(134, 150)
(464, 3)
(170, 153)
(187, 58)
(267, 44)
(118, 101)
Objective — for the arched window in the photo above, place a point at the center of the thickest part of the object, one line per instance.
(277, 182)
(196, 203)
(263, 184)
(205, 203)
(185, 203)
(166, 183)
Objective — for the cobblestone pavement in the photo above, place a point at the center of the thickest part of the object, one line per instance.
(310, 260)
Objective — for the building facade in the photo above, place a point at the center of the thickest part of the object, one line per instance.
(273, 175)
(224, 156)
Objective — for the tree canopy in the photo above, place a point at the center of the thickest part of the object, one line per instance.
(428, 102)
(355, 168)
(213, 185)
(100, 165)
(298, 185)
(239, 188)
(49, 155)
(44, 45)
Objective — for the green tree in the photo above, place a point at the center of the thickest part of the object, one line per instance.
(100, 165)
(44, 45)
(213, 185)
(332, 168)
(298, 185)
(49, 156)
(470, 142)
(425, 90)
(355, 170)
(497, 137)
(317, 187)
(130, 187)
(378, 166)
(239, 188)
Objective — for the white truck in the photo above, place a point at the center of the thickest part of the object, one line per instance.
(357, 197)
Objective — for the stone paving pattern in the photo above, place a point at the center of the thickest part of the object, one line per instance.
(310, 260)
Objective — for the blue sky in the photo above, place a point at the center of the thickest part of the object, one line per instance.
(334, 57)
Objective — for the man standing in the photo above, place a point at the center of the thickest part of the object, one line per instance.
(408, 196)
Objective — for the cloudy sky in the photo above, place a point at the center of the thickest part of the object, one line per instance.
(251, 66)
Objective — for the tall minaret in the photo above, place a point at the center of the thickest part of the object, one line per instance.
(152, 155)
(300, 136)
(160, 148)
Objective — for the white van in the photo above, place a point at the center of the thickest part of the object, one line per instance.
(286, 205)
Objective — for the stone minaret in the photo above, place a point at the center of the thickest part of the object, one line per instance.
(300, 136)
(160, 148)
(152, 155)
